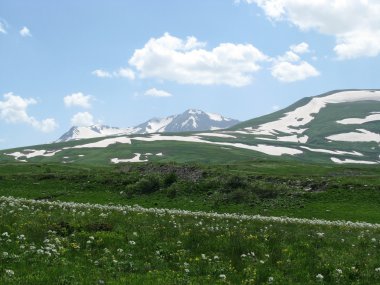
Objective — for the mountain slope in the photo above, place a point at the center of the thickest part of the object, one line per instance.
(190, 120)
(336, 127)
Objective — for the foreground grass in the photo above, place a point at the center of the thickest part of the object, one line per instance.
(44, 243)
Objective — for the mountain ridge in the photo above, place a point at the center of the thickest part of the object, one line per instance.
(190, 120)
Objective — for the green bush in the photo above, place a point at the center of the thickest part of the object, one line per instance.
(147, 185)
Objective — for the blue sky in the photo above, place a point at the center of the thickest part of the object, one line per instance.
(123, 62)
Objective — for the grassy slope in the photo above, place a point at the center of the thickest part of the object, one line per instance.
(266, 187)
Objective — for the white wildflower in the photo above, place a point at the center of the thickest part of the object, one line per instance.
(319, 276)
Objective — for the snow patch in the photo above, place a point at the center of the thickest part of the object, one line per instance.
(339, 152)
(103, 143)
(360, 135)
(218, 135)
(136, 158)
(30, 153)
(359, 121)
(339, 161)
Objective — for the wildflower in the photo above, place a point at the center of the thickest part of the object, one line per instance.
(203, 256)
(223, 276)
(120, 250)
(131, 242)
(321, 235)
(319, 276)
(5, 234)
(9, 272)
(270, 279)
(339, 271)
(377, 269)
(187, 270)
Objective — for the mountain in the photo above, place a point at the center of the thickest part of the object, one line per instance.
(340, 127)
(94, 131)
(190, 120)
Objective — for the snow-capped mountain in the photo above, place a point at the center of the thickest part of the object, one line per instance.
(94, 131)
(190, 120)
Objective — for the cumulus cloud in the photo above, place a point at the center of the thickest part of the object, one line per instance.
(290, 72)
(354, 23)
(13, 109)
(77, 99)
(122, 72)
(82, 119)
(25, 32)
(289, 67)
(186, 61)
(157, 93)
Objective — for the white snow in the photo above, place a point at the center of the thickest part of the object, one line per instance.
(195, 112)
(159, 154)
(158, 125)
(215, 128)
(271, 150)
(136, 158)
(339, 161)
(360, 135)
(359, 121)
(339, 152)
(30, 153)
(97, 131)
(103, 143)
(218, 135)
(303, 115)
(191, 118)
(217, 117)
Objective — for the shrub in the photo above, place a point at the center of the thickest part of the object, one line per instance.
(147, 185)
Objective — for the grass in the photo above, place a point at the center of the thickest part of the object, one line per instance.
(70, 245)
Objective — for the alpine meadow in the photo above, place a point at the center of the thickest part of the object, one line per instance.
(190, 142)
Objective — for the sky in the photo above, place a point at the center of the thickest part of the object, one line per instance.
(122, 62)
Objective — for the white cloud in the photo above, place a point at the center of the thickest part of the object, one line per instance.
(275, 108)
(122, 72)
(300, 48)
(125, 72)
(289, 72)
(290, 68)
(289, 56)
(2, 28)
(185, 61)
(25, 32)
(157, 93)
(77, 99)
(354, 23)
(101, 73)
(82, 119)
(14, 110)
